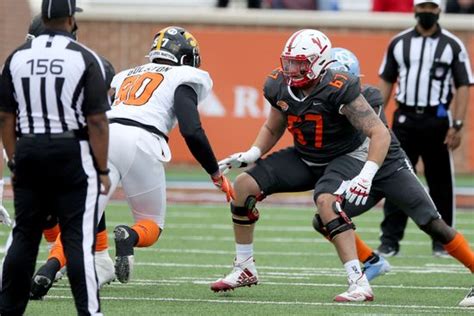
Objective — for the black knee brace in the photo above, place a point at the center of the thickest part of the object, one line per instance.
(337, 225)
(247, 214)
(319, 226)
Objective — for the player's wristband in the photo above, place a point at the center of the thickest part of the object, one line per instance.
(253, 153)
(369, 170)
(103, 172)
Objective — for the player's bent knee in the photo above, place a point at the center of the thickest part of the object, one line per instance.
(439, 230)
(244, 186)
(324, 201)
(247, 214)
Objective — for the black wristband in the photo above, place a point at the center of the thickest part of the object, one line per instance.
(103, 172)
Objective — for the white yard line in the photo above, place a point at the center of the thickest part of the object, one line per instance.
(311, 271)
(226, 301)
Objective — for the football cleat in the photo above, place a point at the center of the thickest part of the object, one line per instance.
(243, 274)
(359, 291)
(104, 267)
(387, 251)
(124, 253)
(376, 266)
(468, 301)
(43, 279)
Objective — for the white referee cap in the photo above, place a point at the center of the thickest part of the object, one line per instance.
(437, 2)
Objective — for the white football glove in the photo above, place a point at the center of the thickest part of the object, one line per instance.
(239, 160)
(4, 217)
(359, 187)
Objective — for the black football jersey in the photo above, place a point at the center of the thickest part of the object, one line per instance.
(320, 132)
(375, 99)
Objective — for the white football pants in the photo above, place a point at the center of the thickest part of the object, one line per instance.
(136, 159)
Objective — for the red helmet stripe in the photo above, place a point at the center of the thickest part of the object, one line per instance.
(292, 40)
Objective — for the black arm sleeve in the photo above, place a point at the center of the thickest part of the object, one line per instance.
(7, 98)
(185, 106)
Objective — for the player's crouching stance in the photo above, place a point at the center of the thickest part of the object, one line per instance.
(150, 100)
(328, 118)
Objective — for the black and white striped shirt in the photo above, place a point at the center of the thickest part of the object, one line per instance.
(53, 83)
(427, 68)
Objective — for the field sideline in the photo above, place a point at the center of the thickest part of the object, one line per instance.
(299, 270)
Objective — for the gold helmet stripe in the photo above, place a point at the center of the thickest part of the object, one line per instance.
(160, 38)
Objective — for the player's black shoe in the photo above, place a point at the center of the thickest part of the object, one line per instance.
(125, 240)
(387, 251)
(43, 279)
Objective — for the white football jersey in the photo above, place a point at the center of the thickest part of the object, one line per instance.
(145, 93)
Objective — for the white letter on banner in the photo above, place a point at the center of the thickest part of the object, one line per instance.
(211, 106)
(246, 102)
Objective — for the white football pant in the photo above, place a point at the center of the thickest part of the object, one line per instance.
(136, 159)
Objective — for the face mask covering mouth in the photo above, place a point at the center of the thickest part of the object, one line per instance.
(427, 19)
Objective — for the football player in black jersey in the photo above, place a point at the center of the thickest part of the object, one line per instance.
(332, 124)
(329, 118)
(410, 192)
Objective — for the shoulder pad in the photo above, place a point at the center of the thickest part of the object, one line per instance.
(372, 95)
(273, 84)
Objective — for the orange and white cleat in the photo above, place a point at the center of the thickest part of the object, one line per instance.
(359, 291)
(243, 274)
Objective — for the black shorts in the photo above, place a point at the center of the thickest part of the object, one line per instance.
(284, 171)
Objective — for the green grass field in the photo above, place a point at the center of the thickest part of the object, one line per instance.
(299, 270)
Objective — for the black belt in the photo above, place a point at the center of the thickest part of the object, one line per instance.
(130, 122)
(430, 110)
(74, 134)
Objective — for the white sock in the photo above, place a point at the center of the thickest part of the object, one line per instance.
(353, 270)
(243, 252)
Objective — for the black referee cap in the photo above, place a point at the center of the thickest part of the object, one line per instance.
(52, 9)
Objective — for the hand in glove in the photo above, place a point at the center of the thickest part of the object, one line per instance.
(4, 217)
(359, 188)
(223, 184)
(240, 160)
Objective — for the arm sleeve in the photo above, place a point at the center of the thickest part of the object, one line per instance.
(95, 90)
(389, 69)
(462, 74)
(7, 91)
(185, 106)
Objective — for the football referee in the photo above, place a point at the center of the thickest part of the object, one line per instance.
(53, 100)
(433, 74)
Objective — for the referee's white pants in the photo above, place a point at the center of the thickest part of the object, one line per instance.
(136, 159)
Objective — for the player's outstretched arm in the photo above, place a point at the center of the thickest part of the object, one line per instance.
(362, 116)
(267, 137)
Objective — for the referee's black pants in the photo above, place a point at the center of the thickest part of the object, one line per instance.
(422, 135)
(52, 177)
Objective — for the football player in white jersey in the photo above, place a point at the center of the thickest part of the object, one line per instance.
(150, 100)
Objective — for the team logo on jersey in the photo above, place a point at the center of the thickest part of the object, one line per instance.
(283, 105)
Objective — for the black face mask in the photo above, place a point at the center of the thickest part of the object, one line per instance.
(426, 19)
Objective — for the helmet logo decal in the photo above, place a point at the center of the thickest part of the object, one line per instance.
(317, 41)
(172, 31)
